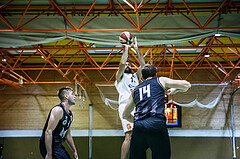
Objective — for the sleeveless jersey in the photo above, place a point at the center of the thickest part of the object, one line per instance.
(149, 99)
(61, 128)
(126, 86)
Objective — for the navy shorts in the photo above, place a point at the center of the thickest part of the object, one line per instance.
(58, 149)
(150, 133)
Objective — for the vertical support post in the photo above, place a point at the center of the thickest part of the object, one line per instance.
(233, 129)
(90, 131)
(76, 88)
(90, 125)
(90, 121)
(232, 125)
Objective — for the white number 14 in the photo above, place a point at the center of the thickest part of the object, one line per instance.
(143, 90)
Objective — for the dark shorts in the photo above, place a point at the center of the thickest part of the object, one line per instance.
(150, 133)
(59, 151)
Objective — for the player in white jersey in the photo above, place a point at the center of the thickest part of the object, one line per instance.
(125, 84)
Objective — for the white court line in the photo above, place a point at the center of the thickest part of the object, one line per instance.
(112, 132)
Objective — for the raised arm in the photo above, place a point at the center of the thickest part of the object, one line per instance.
(128, 109)
(122, 64)
(174, 86)
(55, 116)
(140, 58)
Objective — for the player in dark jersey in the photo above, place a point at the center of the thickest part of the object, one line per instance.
(150, 129)
(57, 128)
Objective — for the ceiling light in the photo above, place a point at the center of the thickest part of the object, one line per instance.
(21, 80)
(217, 34)
(25, 51)
(206, 55)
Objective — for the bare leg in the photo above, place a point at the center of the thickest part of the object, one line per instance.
(126, 145)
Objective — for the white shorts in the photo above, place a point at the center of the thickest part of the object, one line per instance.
(127, 126)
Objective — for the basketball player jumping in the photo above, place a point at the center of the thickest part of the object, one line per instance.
(125, 84)
(57, 128)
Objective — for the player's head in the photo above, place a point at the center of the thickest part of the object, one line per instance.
(128, 68)
(66, 93)
(149, 71)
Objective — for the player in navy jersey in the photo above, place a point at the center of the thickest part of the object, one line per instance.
(57, 128)
(150, 129)
(125, 84)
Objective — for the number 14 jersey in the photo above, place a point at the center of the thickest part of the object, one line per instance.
(149, 99)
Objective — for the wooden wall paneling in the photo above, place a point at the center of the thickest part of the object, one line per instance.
(104, 117)
(27, 108)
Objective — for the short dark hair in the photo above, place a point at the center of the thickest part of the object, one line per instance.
(63, 91)
(149, 71)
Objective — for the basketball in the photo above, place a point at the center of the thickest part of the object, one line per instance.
(126, 38)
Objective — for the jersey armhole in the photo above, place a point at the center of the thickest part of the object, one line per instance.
(62, 109)
(70, 114)
(160, 83)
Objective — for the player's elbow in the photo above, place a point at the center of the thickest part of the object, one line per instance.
(186, 85)
(48, 132)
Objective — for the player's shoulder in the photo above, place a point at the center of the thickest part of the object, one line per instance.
(57, 111)
(57, 108)
(163, 80)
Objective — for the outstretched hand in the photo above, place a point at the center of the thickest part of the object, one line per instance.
(135, 43)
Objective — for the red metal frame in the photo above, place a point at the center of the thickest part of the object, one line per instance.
(127, 11)
(81, 61)
(61, 59)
